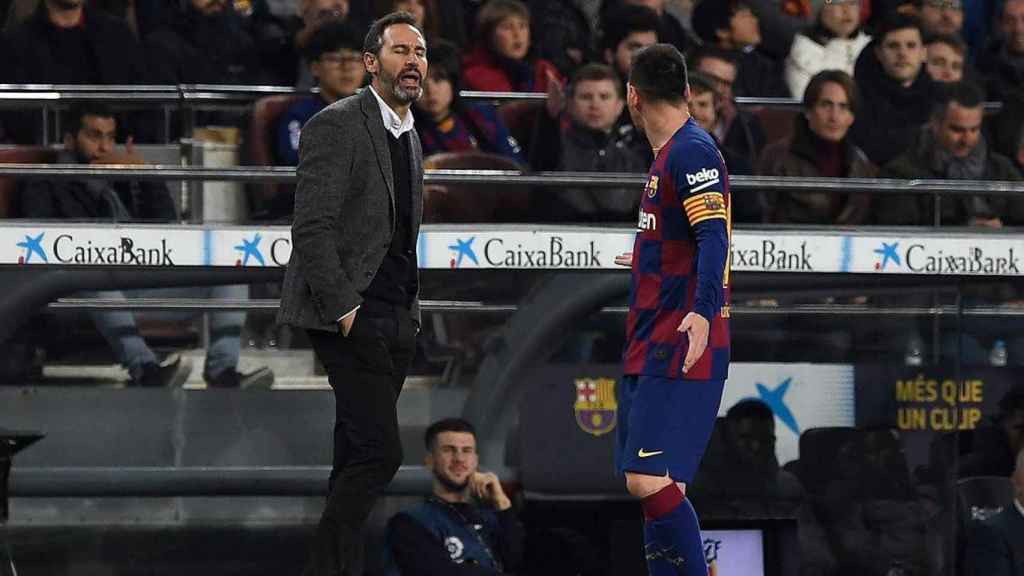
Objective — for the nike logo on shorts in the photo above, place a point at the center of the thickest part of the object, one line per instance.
(643, 454)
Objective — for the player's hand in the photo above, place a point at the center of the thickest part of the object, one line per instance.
(625, 259)
(486, 487)
(696, 328)
(346, 323)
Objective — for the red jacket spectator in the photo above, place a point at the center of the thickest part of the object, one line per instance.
(483, 70)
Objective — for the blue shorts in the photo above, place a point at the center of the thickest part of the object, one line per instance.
(664, 424)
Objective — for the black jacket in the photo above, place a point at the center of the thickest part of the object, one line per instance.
(890, 114)
(759, 75)
(1001, 72)
(996, 546)
(562, 28)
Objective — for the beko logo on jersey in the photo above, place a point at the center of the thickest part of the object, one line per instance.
(648, 221)
(704, 176)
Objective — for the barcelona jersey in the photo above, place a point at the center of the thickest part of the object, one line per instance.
(681, 260)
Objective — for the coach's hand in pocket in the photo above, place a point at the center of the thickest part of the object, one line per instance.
(696, 329)
(346, 323)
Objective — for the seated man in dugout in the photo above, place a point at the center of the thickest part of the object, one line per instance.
(90, 139)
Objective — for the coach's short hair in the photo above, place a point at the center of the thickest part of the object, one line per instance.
(374, 40)
(658, 73)
(446, 425)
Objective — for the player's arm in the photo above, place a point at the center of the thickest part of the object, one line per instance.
(701, 183)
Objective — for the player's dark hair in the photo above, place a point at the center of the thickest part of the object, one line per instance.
(814, 88)
(446, 425)
(658, 73)
(76, 115)
(594, 72)
(625, 20)
(331, 37)
(966, 94)
(749, 409)
(374, 40)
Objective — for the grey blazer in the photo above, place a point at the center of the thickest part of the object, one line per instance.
(344, 212)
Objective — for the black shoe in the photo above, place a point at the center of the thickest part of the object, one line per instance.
(170, 374)
(261, 378)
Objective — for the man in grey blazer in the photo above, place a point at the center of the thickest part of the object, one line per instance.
(352, 281)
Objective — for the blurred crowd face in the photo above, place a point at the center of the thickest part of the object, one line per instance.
(942, 17)
(339, 74)
(723, 73)
(414, 7)
(622, 58)
(1012, 25)
(316, 12)
(209, 7)
(702, 108)
(902, 54)
(453, 459)
(831, 115)
(743, 29)
(94, 140)
(437, 97)
(402, 65)
(841, 19)
(944, 64)
(958, 132)
(512, 38)
(596, 104)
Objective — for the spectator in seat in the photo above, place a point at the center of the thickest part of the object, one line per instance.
(740, 474)
(69, 42)
(205, 42)
(593, 141)
(942, 17)
(951, 147)
(627, 30)
(1002, 61)
(564, 33)
(312, 15)
(447, 123)
(425, 12)
(895, 90)
(834, 43)
(670, 30)
(820, 147)
(737, 130)
(91, 140)
(732, 26)
(747, 206)
(501, 60)
(335, 58)
(467, 526)
(946, 58)
(997, 439)
(996, 546)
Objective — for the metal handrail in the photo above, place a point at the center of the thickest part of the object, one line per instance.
(207, 304)
(512, 178)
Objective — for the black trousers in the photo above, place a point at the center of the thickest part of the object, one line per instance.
(366, 370)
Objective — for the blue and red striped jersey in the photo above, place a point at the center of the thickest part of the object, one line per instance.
(681, 260)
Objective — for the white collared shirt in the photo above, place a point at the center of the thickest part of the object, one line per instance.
(1020, 507)
(392, 123)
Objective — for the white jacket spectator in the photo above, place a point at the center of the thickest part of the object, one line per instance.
(807, 57)
(834, 43)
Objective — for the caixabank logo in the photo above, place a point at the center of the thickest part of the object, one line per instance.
(253, 251)
(67, 248)
(948, 258)
(524, 252)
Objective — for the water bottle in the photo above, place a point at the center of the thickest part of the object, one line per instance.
(997, 357)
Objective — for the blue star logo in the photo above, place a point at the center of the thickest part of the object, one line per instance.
(33, 246)
(251, 249)
(463, 248)
(776, 400)
(888, 252)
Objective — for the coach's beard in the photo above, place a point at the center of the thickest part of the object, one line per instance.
(405, 94)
